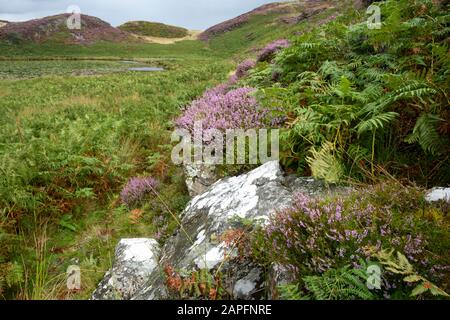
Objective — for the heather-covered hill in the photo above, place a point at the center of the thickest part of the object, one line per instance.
(279, 14)
(154, 29)
(54, 28)
(278, 9)
(251, 31)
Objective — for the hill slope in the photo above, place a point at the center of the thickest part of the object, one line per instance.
(273, 21)
(279, 14)
(54, 28)
(154, 29)
(249, 32)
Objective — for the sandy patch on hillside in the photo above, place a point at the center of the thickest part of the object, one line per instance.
(2, 24)
(193, 34)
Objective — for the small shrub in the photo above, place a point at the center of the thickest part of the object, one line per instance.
(221, 110)
(318, 235)
(272, 48)
(11, 274)
(137, 189)
(200, 284)
(244, 67)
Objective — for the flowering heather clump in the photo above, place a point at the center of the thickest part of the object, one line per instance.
(244, 67)
(233, 80)
(137, 189)
(221, 110)
(271, 49)
(316, 235)
(217, 90)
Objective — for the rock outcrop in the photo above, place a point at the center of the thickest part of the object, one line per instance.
(227, 205)
(199, 177)
(134, 262)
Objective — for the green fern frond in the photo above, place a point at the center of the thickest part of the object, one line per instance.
(310, 45)
(358, 153)
(325, 163)
(372, 74)
(426, 134)
(371, 93)
(376, 122)
(291, 292)
(413, 90)
(355, 64)
(340, 284)
(345, 87)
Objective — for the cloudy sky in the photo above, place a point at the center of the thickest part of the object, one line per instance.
(192, 14)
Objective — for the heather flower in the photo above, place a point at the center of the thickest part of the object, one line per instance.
(244, 67)
(317, 234)
(137, 189)
(221, 110)
(217, 90)
(272, 48)
(232, 80)
(278, 121)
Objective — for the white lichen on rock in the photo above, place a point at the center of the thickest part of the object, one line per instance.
(198, 244)
(134, 262)
(438, 194)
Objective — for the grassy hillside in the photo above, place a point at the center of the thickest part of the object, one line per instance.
(154, 29)
(354, 105)
(67, 145)
(74, 102)
(247, 34)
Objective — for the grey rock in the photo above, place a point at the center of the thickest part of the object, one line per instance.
(252, 196)
(199, 177)
(438, 194)
(278, 275)
(134, 262)
(248, 285)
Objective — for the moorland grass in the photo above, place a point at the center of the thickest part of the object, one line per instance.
(67, 146)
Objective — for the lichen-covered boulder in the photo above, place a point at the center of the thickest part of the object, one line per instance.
(134, 262)
(199, 177)
(197, 245)
(438, 194)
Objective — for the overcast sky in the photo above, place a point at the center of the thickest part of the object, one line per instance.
(192, 14)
